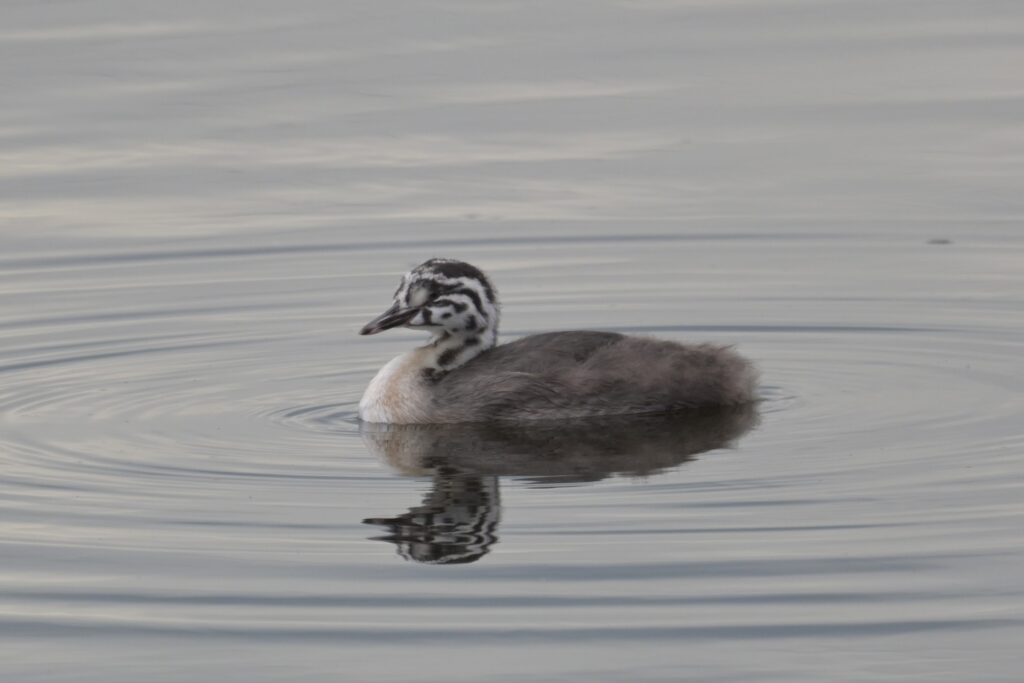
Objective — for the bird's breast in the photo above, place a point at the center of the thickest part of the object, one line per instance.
(398, 394)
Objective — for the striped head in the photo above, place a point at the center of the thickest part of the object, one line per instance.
(452, 299)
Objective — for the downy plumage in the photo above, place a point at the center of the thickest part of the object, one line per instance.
(462, 375)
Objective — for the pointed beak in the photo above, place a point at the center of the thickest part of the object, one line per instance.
(393, 317)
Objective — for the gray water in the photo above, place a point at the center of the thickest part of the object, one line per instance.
(201, 203)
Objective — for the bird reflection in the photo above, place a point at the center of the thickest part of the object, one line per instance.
(456, 523)
(458, 519)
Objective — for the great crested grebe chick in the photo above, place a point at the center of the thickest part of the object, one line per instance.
(463, 375)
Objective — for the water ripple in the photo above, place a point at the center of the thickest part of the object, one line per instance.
(151, 447)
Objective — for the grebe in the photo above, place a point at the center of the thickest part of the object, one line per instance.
(462, 375)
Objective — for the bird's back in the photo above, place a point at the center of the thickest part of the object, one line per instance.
(562, 375)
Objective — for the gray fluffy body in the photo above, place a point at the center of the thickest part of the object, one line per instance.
(586, 374)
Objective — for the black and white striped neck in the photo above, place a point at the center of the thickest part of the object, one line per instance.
(447, 351)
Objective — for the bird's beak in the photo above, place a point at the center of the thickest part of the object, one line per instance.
(395, 316)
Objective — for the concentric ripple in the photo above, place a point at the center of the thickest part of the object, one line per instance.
(181, 459)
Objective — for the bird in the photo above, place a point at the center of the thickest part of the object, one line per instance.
(463, 375)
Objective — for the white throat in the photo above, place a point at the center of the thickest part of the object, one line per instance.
(400, 393)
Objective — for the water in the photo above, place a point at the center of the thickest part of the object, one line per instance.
(202, 205)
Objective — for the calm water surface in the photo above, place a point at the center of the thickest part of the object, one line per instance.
(199, 209)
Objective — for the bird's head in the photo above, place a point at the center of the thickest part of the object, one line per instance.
(443, 296)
